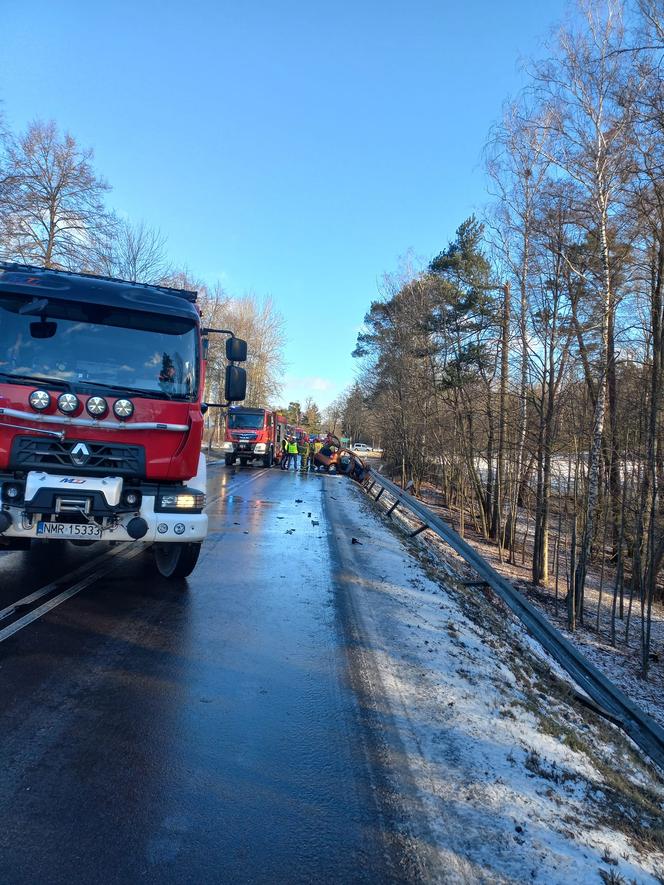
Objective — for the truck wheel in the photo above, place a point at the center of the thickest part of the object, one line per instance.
(176, 560)
(230, 460)
(268, 459)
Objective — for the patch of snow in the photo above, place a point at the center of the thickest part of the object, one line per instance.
(505, 800)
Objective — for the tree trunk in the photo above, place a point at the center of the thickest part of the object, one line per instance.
(595, 453)
(497, 516)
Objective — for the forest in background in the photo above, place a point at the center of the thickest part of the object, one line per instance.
(520, 372)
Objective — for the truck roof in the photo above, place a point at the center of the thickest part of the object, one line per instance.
(25, 279)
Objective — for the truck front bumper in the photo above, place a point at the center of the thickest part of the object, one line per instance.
(246, 449)
(181, 526)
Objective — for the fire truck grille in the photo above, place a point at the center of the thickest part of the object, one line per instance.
(94, 459)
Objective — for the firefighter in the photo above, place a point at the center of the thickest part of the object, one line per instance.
(292, 453)
(303, 452)
(284, 453)
(310, 456)
(317, 446)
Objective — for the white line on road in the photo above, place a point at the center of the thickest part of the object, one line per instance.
(49, 588)
(66, 594)
(92, 572)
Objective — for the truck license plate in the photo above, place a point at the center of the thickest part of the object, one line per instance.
(68, 530)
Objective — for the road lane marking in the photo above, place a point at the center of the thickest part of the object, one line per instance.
(80, 571)
(41, 610)
(53, 585)
(92, 571)
(240, 485)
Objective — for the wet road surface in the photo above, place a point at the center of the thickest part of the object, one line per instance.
(198, 731)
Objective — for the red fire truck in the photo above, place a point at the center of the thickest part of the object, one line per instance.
(101, 416)
(253, 434)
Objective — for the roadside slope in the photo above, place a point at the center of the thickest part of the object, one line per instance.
(503, 778)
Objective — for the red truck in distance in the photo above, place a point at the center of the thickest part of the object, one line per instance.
(101, 413)
(253, 434)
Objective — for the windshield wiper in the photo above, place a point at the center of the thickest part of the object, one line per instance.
(35, 379)
(136, 391)
(69, 386)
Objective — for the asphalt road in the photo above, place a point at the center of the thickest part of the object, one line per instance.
(194, 731)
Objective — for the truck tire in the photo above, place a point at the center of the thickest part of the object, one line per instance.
(268, 460)
(229, 460)
(176, 560)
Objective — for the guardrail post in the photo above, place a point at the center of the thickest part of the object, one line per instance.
(417, 531)
(393, 507)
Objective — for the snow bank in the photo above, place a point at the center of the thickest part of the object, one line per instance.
(517, 785)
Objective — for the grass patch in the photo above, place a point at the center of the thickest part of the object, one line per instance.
(547, 770)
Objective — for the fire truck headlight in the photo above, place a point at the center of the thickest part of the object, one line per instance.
(260, 448)
(182, 501)
(68, 403)
(96, 406)
(123, 409)
(227, 447)
(40, 400)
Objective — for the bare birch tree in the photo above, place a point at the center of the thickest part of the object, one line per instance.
(132, 251)
(55, 203)
(589, 137)
(257, 321)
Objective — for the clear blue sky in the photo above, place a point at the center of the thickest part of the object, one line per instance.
(295, 149)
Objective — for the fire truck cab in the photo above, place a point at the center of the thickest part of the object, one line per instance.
(253, 434)
(101, 416)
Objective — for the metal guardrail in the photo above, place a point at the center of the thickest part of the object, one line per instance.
(611, 701)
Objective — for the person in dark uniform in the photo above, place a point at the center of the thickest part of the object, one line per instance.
(285, 459)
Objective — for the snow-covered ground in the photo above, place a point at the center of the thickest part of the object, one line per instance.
(562, 470)
(620, 662)
(517, 783)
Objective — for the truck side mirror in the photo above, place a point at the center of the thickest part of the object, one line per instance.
(236, 383)
(236, 351)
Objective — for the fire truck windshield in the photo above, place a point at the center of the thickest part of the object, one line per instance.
(245, 420)
(85, 345)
